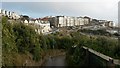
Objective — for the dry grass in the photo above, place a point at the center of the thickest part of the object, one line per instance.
(15, 59)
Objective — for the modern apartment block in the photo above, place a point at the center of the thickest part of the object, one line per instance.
(65, 21)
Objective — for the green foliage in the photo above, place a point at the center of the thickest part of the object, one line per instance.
(8, 40)
(19, 38)
(36, 53)
(105, 45)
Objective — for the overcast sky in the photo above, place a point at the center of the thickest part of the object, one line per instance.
(102, 9)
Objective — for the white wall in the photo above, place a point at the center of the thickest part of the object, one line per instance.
(36, 21)
(45, 27)
(82, 21)
(61, 21)
(0, 10)
(26, 22)
(31, 21)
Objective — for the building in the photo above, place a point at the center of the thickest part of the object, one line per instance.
(76, 22)
(36, 21)
(3, 12)
(9, 14)
(106, 23)
(31, 21)
(80, 21)
(72, 22)
(43, 27)
(66, 21)
(14, 15)
(26, 21)
(86, 20)
(60, 21)
(110, 23)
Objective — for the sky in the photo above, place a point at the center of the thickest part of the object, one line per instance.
(102, 9)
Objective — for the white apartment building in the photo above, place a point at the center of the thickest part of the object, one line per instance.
(15, 15)
(0, 11)
(86, 21)
(3, 12)
(60, 21)
(68, 21)
(9, 14)
(63, 21)
(76, 22)
(80, 21)
(72, 22)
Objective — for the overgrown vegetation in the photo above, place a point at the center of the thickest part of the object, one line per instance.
(19, 40)
(102, 44)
